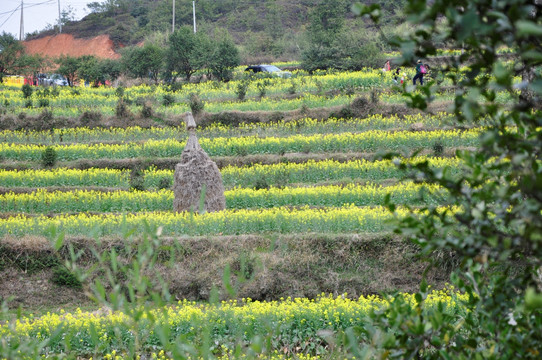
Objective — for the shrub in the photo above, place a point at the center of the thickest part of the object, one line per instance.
(27, 91)
(164, 183)
(43, 102)
(261, 183)
(262, 87)
(137, 181)
(319, 87)
(345, 113)
(168, 100)
(64, 277)
(293, 87)
(438, 149)
(28, 104)
(146, 111)
(119, 91)
(90, 118)
(49, 157)
(175, 86)
(122, 110)
(241, 90)
(196, 105)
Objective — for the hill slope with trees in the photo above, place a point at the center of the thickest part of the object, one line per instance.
(263, 29)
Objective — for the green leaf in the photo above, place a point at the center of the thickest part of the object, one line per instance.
(59, 241)
(527, 28)
(533, 300)
(227, 282)
(536, 86)
(372, 10)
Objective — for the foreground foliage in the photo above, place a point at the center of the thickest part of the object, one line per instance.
(496, 241)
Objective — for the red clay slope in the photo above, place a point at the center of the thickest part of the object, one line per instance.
(65, 44)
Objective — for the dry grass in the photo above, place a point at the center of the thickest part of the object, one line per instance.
(263, 267)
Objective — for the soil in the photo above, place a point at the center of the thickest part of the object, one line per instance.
(65, 44)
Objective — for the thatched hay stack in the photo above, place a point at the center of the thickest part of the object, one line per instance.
(195, 170)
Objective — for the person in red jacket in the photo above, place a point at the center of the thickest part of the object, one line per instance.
(387, 66)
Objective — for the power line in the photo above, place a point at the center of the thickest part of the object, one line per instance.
(13, 12)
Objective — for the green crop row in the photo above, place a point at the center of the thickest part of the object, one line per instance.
(42, 201)
(247, 176)
(348, 219)
(371, 140)
(305, 126)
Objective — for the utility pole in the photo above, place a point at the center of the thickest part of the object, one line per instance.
(194, 14)
(21, 29)
(59, 18)
(173, 19)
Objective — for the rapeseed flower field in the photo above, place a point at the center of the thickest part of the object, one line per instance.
(340, 183)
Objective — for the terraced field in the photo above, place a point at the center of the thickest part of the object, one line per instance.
(306, 214)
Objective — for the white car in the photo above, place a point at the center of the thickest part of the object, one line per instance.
(269, 69)
(57, 79)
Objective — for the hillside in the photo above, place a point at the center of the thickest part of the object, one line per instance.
(261, 28)
(54, 46)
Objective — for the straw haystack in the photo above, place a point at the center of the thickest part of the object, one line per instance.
(196, 171)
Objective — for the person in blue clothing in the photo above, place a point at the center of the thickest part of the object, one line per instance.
(420, 71)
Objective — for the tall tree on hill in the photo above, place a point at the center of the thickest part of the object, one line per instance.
(142, 62)
(224, 58)
(108, 6)
(324, 33)
(184, 54)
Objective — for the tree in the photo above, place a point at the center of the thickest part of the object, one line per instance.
(89, 70)
(68, 67)
(30, 65)
(184, 52)
(108, 6)
(111, 69)
(224, 58)
(493, 238)
(67, 15)
(324, 32)
(10, 52)
(146, 61)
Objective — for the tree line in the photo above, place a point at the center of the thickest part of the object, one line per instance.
(329, 42)
(181, 54)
